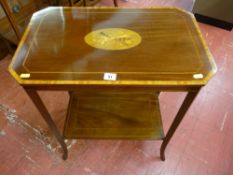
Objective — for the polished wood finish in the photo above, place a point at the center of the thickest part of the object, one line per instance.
(172, 56)
(114, 115)
(169, 55)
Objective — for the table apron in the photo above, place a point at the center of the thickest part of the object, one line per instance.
(110, 88)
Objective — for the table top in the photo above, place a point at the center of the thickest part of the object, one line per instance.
(112, 46)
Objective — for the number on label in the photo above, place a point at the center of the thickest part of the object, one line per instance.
(110, 76)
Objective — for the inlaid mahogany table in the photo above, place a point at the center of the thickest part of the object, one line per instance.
(114, 62)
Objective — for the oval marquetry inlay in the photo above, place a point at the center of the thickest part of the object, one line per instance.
(113, 39)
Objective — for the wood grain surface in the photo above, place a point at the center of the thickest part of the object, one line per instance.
(53, 50)
(114, 115)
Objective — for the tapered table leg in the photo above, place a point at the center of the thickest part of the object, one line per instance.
(70, 3)
(179, 116)
(115, 3)
(45, 114)
(57, 2)
(84, 3)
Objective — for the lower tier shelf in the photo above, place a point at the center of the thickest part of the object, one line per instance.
(113, 115)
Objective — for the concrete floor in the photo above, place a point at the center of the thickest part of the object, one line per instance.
(202, 144)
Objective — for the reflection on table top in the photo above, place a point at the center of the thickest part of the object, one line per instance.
(148, 46)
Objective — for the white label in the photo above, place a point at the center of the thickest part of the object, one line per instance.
(197, 76)
(24, 75)
(110, 76)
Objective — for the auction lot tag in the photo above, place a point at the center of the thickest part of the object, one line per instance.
(110, 76)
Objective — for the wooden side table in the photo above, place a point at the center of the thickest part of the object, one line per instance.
(113, 62)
